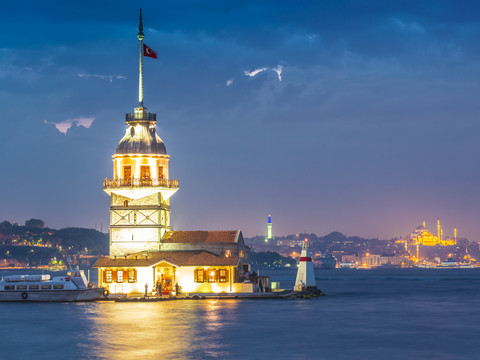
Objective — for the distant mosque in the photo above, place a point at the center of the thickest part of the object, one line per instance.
(145, 254)
(422, 236)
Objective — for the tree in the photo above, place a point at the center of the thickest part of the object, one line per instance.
(5, 225)
(35, 223)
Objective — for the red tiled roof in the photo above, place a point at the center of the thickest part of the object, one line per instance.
(229, 236)
(176, 258)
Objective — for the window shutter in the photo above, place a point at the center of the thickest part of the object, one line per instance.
(195, 275)
(104, 272)
(135, 275)
(114, 275)
(226, 275)
(217, 275)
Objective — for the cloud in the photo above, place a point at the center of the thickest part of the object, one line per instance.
(278, 69)
(103, 77)
(408, 27)
(63, 126)
(229, 82)
(254, 72)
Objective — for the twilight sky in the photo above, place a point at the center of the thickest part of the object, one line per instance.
(356, 116)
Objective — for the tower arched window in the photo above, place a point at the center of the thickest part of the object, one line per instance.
(125, 203)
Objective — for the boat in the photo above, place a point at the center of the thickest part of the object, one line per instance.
(72, 287)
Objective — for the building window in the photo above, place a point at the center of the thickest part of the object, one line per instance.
(132, 275)
(125, 203)
(211, 275)
(127, 172)
(120, 276)
(160, 172)
(107, 275)
(223, 275)
(144, 172)
(240, 253)
(228, 253)
(199, 275)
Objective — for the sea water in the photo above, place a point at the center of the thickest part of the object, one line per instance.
(367, 314)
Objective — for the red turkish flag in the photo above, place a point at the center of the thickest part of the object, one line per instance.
(148, 52)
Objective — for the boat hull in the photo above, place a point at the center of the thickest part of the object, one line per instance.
(52, 295)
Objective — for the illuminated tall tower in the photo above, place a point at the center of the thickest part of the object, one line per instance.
(269, 228)
(439, 229)
(141, 188)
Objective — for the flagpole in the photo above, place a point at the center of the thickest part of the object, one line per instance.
(140, 75)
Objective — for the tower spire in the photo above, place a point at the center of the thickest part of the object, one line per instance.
(140, 74)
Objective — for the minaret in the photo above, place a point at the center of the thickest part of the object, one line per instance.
(438, 229)
(141, 187)
(305, 280)
(269, 228)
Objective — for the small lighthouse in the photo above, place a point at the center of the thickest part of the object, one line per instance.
(305, 276)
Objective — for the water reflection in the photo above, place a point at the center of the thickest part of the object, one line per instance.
(170, 330)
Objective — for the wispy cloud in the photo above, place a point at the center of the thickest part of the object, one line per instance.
(278, 69)
(63, 126)
(102, 77)
(229, 82)
(254, 72)
(408, 27)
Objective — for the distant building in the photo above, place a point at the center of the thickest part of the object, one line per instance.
(375, 260)
(269, 229)
(422, 236)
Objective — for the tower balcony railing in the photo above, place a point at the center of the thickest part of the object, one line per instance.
(145, 182)
(144, 116)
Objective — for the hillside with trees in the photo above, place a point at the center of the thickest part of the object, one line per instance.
(35, 244)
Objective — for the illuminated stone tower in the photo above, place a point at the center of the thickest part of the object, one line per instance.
(141, 188)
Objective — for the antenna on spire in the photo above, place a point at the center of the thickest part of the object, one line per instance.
(140, 26)
(140, 75)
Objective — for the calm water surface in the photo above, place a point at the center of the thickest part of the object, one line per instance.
(376, 314)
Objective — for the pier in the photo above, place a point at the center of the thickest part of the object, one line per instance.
(284, 294)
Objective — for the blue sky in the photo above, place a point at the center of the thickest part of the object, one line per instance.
(364, 118)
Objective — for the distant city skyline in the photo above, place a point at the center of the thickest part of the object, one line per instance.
(353, 117)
